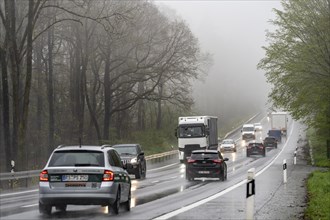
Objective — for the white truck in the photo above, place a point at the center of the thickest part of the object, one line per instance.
(195, 133)
(248, 132)
(279, 121)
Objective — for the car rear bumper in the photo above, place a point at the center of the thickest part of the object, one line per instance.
(99, 196)
(204, 172)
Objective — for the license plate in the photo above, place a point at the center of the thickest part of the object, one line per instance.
(73, 178)
(203, 172)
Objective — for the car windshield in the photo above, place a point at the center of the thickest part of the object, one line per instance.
(202, 156)
(227, 142)
(77, 158)
(191, 131)
(248, 128)
(131, 150)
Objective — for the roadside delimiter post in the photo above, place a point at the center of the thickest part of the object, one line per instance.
(250, 191)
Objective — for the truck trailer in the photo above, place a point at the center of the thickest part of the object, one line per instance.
(279, 121)
(195, 133)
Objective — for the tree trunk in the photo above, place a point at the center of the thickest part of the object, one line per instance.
(5, 110)
(107, 98)
(50, 91)
(159, 108)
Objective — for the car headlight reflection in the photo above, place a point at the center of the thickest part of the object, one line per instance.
(134, 160)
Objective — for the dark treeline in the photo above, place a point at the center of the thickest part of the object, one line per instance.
(91, 69)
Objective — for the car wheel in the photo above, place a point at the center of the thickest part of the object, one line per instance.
(115, 206)
(138, 172)
(225, 173)
(264, 153)
(247, 154)
(61, 208)
(45, 209)
(144, 171)
(128, 202)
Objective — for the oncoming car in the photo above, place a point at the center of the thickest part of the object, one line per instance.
(133, 158)
(227, 145)
(255, 148)
(206, 163)
(84, 175)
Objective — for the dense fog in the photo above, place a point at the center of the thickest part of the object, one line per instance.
(234, 33)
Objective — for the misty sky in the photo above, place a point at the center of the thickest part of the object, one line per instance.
(234, 32)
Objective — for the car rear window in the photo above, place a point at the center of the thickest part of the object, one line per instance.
(255, 144)
(77, 158)
(202, 156)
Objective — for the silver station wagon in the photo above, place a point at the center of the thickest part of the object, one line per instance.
(84, 175)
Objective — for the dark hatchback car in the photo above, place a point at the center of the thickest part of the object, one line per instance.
(270, 141)
(255, 148)
(133, 159)
(206, 163)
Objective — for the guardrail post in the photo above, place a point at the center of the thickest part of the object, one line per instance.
(295, 157)
(284, 171)
(12, 163)
(250, 191)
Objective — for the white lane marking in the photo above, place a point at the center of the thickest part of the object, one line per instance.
(156, 181)
(18, 193)
(203, 201)
(26, 206)
(36, 190)
(159, 168)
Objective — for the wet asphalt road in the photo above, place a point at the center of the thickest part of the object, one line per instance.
(165, 191)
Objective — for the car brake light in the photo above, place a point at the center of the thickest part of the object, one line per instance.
(191, 161)
(217, 161)
(43, 176)
(108, 175)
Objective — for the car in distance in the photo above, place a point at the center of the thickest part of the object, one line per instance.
(270, 141)
(206, 163)
(84, 175)
(258, 126)
(255, 148)
(133, 158)
(227, 145)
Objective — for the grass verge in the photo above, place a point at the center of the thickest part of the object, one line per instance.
(318, 183)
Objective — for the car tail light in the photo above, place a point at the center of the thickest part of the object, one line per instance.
(191, 161)
(217, 161)
(43, 176)
(108, 175)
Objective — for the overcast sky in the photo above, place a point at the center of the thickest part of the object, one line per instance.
(234, 32)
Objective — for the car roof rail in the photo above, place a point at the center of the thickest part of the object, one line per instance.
(61, 146)
(105, 145)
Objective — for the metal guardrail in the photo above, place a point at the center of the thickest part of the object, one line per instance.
(150, 158)
(35, 173)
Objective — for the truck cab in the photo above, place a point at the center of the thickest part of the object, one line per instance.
(195, 133)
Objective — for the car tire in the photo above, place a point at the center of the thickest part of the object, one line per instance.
(264, 153)
(225, 173)
(144, 171)
(247, 154)
(45, 209)
(127, 204)
(114, 207)
(138, 172)
(61, 208)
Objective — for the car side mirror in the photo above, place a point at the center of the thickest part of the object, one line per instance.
(124, 165)
(207, 131)
(225, 159)
(142, 153)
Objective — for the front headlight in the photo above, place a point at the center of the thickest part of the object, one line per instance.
(134, 160)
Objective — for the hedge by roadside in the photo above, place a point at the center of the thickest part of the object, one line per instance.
(318, 183)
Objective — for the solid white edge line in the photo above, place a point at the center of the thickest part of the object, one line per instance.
(27, 206)
(159, 168)
(18, 193)
(203, 201)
